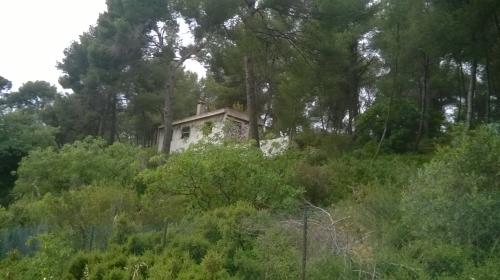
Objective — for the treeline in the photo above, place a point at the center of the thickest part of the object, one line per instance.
(297, 64)
(410, 67)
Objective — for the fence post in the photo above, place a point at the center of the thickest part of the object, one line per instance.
(304, 245)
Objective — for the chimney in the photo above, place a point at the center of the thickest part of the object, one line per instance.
(201, 107)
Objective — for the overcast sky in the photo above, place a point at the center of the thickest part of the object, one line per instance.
(34, 34)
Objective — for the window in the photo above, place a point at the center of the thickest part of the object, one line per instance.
(185, 131)
(207, 128)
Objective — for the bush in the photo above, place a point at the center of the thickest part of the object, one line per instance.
(456, 197)
(79, 164)
(439, 259)
(450, 211)
(77, 267)
(20, 133)
(213, 176)
(489, 269)
(209, 246)
(402, 127)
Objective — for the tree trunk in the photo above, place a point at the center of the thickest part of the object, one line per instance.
(386, 125)
(462, 90)
(144, 131)
(423, 125)
(100, 126)
(396, 89)
(497, 23)
(427, 96)
(164, 233)
(354, 110)
(168, 117)
(490, 89)
(102, 117)
(470, 93)
(304, 244)
(421, 95)
(253, 132)
(112, 130)
(92, 236)
(353, 86)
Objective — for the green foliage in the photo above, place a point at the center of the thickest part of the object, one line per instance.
(20, 133)
(207, 128)
(273, 256)
(86, 213)
(31, 96)
(49, 262)
(5, 85)
(77, 165)
(402, 126)
(334, 75)
(77, 267)
(344, 66)
(330, 179)
(236, 242)
(327, 145)
(487, 270)
(212, 176)
(334, 268)
(445, 225)
(227, 212)
(440, 259)
(456, 197)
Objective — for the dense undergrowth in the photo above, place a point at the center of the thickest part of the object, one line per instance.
(93, 211)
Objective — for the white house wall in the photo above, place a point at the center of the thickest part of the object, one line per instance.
(196, 132)
(221, 127)
(160, 137)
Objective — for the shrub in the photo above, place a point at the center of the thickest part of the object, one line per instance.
(456, 197)
(450, 211)
(402, 127)
(213, 176)
(79, 164)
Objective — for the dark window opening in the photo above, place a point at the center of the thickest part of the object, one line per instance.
(185, 131)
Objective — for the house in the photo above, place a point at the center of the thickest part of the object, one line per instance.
(214, 125)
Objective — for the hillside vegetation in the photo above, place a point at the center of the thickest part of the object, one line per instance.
(392, 109)
(228, 212)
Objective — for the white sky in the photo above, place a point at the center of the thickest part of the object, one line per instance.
(34, 34)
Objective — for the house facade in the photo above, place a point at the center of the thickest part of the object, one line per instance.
(215, 125)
